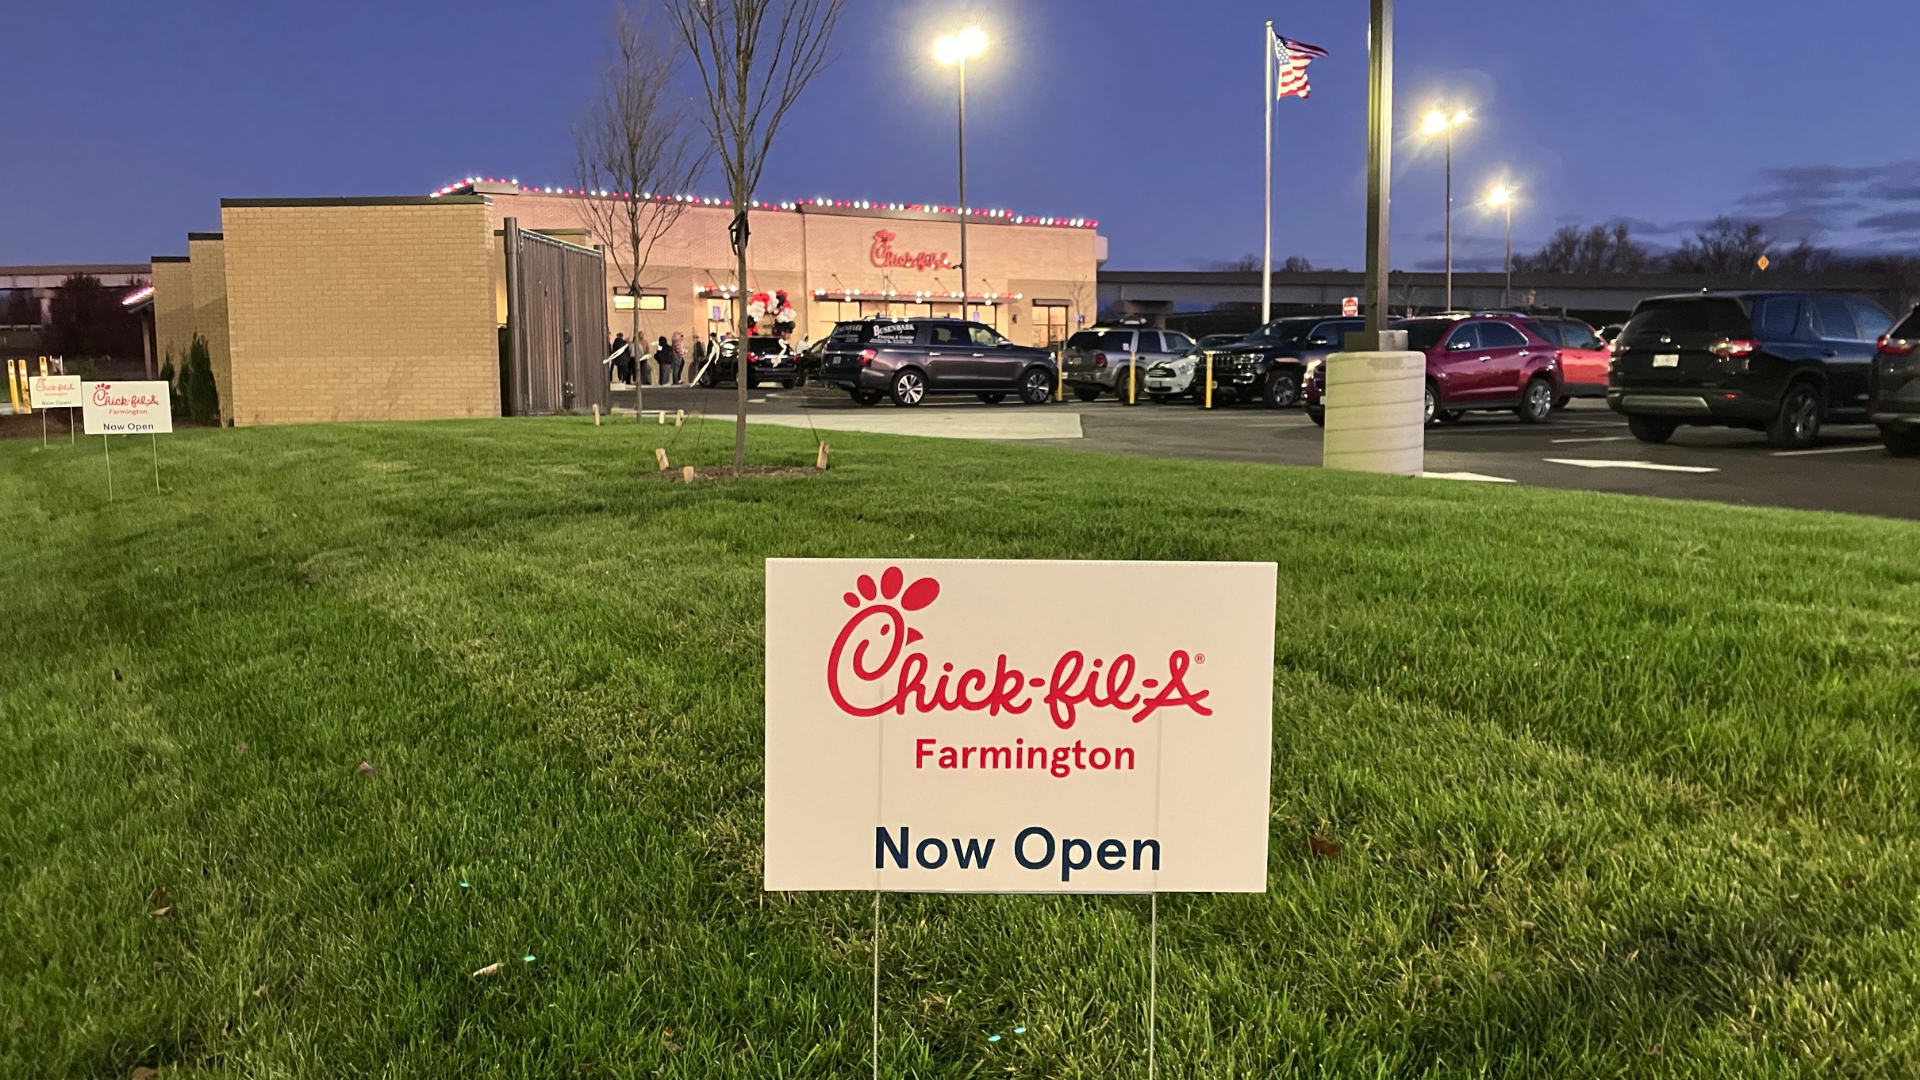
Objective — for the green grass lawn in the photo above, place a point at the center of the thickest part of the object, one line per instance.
(1621, 787)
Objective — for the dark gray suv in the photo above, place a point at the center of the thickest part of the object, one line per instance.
(1893, 400)
(907, 359)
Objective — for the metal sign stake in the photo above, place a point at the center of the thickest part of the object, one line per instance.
(155, 436)
(1153, 976)
(108, 448)
(876, 984)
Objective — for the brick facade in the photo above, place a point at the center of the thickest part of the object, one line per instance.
(209, 263)
(832, 248)
(173, 312)
(361, 309)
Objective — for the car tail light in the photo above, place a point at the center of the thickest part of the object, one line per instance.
(1733, 354)
(1893, 346)
(866, 357)
(1099, 359)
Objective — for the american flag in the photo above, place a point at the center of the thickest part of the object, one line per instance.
(1292, 58)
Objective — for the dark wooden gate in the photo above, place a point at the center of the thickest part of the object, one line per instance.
(556, 325)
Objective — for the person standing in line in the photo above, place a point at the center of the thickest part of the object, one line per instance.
(663, 359)
(617, 352)
(679, 355)
(699, 358)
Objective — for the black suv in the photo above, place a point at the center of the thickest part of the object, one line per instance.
(1782, 363)
(769, 360)
(1271, 363)
(1893, 391)
(907, 359)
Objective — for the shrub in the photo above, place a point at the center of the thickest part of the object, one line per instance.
(173, 391)
(203, 398)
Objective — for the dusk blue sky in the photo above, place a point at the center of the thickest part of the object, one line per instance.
(131, 121)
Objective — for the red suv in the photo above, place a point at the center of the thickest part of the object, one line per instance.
(1475, 363)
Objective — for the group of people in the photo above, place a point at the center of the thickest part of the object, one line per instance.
(665, 363)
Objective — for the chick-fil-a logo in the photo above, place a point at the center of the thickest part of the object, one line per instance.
(104, 396)
(873, 649)
(883, 256)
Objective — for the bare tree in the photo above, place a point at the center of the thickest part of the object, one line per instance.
(1597, 249)
(754, 57)
(1722, 246)
(630, 144)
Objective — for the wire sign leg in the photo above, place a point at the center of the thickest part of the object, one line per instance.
(1153, 977)
(876, 984)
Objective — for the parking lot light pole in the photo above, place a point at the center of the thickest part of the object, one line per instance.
(955, 50)
(1439, 122)
(1502, 197)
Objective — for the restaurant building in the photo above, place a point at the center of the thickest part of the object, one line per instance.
(1031, 278)
(398, 308)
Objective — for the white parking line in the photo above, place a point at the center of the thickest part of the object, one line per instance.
(1826, 450)
(1480, 477)
(1598, 438)
(1650, 466)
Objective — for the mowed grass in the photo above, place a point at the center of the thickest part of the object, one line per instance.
(1620, 787)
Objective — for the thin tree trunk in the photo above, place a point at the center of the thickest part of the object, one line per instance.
(633, 339)
(740, 375)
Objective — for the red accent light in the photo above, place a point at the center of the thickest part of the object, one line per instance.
(1732, 348)
(1893, 346)
(1099, 359)
(867, 356)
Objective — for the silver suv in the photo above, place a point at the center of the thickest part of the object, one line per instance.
(1095, 361)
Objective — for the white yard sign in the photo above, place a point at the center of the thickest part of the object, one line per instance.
(126, 408)
(55, 391)
(979, 726)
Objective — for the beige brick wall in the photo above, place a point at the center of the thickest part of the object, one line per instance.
(801, 252)
(210, 314)
(173, 311)
(362, 312)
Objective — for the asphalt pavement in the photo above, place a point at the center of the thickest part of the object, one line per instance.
(1585, 447)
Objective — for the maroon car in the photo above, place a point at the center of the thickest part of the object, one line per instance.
(1475, 363)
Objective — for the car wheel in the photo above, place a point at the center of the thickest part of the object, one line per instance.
(1901, 441)
(1085, 392)
(993, 399)
(1561, 402)
(1652, 429)
(1536, 402)
(1433, 404)
(1450, 416)
(1158, 399)
(909, 388)
(865, 397)
(1317, 415)
(1798, 424)
(1282, 391)
(1120, 393)
(1036, 386)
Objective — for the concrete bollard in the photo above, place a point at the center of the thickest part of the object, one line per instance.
(1376, 412)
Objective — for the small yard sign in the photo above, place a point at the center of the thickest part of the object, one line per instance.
(126, 408)
(989, 726)
(56, 391)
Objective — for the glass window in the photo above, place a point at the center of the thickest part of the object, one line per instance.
(1832, 319)
(1576, 335)
(1778, 318)
(1463, 337)
(980, 335)
(1084, 339)
(1910, 329)
(1499, 335)
(1711, 316)
(1149, 341)
(945, 334)
(1177, 343)
(1424, 334)
(846, 331)
(1870, 320)
(1283, 332)
(1116, 340)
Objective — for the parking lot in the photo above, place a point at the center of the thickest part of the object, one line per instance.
(1585, 446)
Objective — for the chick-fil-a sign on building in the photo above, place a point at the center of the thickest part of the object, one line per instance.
(986, 726)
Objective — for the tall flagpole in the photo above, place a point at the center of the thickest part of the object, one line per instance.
(1266, 254)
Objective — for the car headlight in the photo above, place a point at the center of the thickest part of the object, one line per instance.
(1313, 366)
